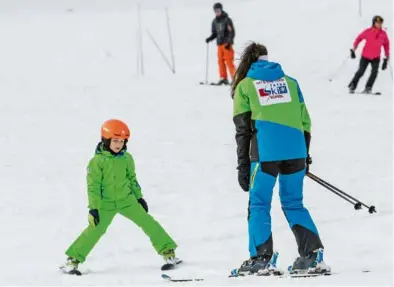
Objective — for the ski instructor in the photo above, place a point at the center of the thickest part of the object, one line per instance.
(375, 38)
(273, 137)
(223, 31)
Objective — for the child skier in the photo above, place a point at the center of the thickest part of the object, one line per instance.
(273, 135)
(112, 189)
(375, 38)
(224, 32)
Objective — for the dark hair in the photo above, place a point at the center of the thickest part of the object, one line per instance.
(218, 5)
(377, 18)
(250, 55)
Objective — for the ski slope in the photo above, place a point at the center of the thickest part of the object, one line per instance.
(66, 66)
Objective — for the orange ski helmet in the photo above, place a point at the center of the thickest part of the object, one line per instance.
(115, 129)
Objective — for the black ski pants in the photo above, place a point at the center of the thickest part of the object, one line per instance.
(361, 70)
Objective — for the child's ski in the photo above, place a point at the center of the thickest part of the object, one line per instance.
(168, 278)
(71, 272)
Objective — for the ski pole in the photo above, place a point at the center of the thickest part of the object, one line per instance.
(206, 65)
(340, 68)
(357, 205)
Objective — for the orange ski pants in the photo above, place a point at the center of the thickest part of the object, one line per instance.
(226, 61)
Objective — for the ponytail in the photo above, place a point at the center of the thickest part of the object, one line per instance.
(250, 55)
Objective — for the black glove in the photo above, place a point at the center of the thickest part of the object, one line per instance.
(228, 46)
(384, 66)
(143, 204)
(244, 177)
(94, 218)
(308, 162)
(352, 54)
(209, 39)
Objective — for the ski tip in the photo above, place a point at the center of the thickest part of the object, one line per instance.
(72, 272)
(165, 276)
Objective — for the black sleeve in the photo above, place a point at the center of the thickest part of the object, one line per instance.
(243, 136)
(230, 31)
(213, 32)
(307, 136)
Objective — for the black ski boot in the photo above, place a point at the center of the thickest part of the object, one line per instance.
(352, 88)
(247, 266)
(265, 265)
(261, 263)
(312, 263)
(367, 90)
(222, 82)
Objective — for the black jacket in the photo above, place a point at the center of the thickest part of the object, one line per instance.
(223, 30)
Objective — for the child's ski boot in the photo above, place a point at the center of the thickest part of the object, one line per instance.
(312, 264)
(71, 267)
(367, 90)
(171, 260)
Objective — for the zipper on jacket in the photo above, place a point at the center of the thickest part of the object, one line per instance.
(256, 168)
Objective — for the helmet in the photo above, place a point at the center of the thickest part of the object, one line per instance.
(218, 6)
(377, 18)
(115, 129)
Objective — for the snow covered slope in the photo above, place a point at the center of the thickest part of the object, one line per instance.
(62, 73)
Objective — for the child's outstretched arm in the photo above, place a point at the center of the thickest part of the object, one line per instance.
(135, 187)
(94, 178)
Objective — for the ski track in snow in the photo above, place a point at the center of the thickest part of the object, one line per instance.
(63, 73)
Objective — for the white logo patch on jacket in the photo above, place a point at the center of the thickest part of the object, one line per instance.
(272, 92)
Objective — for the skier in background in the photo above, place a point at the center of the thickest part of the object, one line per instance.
(223, 31)
(113, 189)
(273, 136)
(375, 38)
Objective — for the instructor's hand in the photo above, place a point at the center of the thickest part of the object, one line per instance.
(94, 218)
(244, 177)
(308, 162)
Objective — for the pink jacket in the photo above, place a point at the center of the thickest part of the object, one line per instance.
(375, 39)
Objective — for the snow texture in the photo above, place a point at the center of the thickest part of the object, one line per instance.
(66, 66)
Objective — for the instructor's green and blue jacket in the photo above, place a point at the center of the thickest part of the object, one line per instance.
(270, 116)
(111, 179)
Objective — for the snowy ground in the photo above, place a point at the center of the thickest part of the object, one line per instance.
(63, 73)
